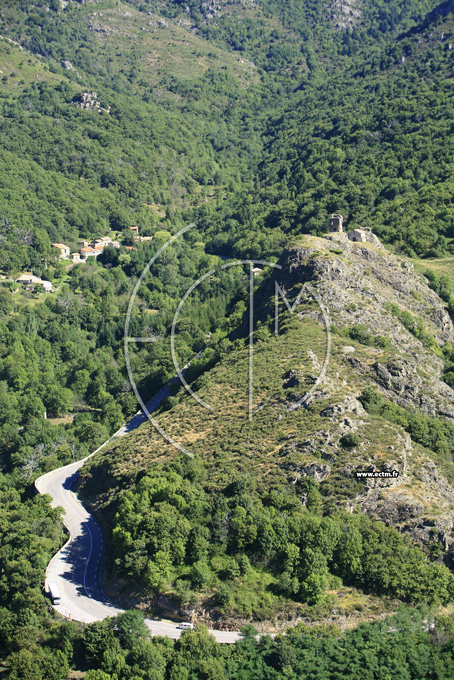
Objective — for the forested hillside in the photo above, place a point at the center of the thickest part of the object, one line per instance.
(257, 525)
(327, 125)
(256, 119)
(372, 142)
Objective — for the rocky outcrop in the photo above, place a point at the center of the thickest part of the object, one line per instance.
(317, 471)
(359, 283)
(349, 405)
(343, 13)
(89, 101)
(392, 508)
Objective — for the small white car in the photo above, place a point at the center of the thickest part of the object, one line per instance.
(184, 625)
(54, 593)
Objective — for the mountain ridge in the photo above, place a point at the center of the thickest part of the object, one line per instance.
(366, 415)
(255, 121)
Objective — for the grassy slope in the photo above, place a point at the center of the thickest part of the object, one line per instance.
(158, 49)
(443, 266)
(230, 447)
(19, 68)
(272, 449)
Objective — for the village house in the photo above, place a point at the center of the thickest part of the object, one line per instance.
(102, 241)
(90, 251)
(48, 287)
(28, 278)
(95, 248)
(32, 280)
(63, 251)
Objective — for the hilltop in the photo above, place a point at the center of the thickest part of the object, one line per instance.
(381, 407)
(255, 120)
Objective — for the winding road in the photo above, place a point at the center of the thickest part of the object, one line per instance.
(76, 567)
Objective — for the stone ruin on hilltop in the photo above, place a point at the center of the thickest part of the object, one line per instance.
(359, 235)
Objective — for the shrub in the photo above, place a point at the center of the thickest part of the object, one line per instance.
(350, 440)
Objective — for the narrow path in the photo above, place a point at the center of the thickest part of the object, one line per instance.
(75, 568)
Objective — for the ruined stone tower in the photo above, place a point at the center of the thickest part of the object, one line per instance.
(335, 223)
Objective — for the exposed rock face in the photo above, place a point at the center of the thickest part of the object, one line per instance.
(318, 471)
(212, 10)
(359, 283)
(359, 286)
(343, 13)
(80, 2)
(89, 101)
(350, 404)
(13, 42)
(393, 508)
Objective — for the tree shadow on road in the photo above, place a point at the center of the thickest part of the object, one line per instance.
(70, 482)
(82, 549)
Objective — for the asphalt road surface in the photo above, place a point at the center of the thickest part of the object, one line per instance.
(76, 567)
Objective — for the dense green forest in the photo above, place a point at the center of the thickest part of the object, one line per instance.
(373, 143)
(408, 646)
(63, 353)
(255, 120)
(263, 152)
(170, 530)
